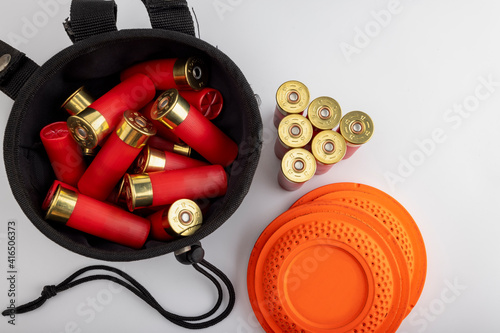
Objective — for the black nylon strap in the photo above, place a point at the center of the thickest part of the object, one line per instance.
(93, 17)
(135, 287)
(173, 15)
(89, 18)
(16, 73)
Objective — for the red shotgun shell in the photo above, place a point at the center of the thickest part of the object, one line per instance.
(78, 101)
(184, 74)
(97, 218)
(165, 145)
(173, 111)
(151, 160)
(328, 147)
(91, 126)
(116, 156)
(292, 97)
(52, 191)
(182, 218)
(165, 187)
(208, 101)
(297, 167)
(357, 128)
(163, 132)
(64, 153)
(324, 113)
(294, 131)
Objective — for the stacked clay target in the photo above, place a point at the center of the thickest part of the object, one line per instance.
(345, 257)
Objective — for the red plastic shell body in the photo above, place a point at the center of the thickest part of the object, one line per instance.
(109, 222)
(175, 161)
(131, 94)
(158, 225)
(160, 143)
(105, 171)
(202, 182)
(350, 150)
(160, 71)
(64, 153)
(322, 168)
(287, 184)
(208, 101)
(206, 138)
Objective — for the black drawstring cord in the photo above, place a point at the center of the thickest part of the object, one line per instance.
(135, 287)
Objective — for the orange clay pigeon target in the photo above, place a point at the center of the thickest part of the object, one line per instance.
(344, 258)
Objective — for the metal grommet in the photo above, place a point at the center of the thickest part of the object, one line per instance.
(5, 61)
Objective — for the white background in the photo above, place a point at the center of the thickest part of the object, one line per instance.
(408, 73)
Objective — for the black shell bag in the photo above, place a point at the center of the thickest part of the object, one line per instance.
(95, 60)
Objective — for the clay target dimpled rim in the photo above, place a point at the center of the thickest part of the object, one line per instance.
(412, 244)
(397, 311)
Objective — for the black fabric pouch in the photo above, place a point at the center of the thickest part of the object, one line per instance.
(95, 60)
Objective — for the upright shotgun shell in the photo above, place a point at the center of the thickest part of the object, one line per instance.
(97, 218)
(328, 147)
(294, 131)
(64, 153)
(324, 113)
(174, 112)
(183, 218)
(91, 126)
(297, 167)
(116, 156)
(292, 97)
(357, 128)
(162, 188)
(180, 73)
(78, 101)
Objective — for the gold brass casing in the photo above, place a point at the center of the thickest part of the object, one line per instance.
(92, 124)
(348, 127)
(291, 162)
(89, 151)
(291, 123)
(319, 147)
(182, 149)
(150, 160)
(170, 109)
(285, 101)
(191, 73)
(122, 194)
(62, 205)
(326, 105)
(176, 225)
(138, 191)
(135, 129)
(78, 101)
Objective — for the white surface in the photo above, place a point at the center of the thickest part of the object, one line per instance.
(430, 56)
